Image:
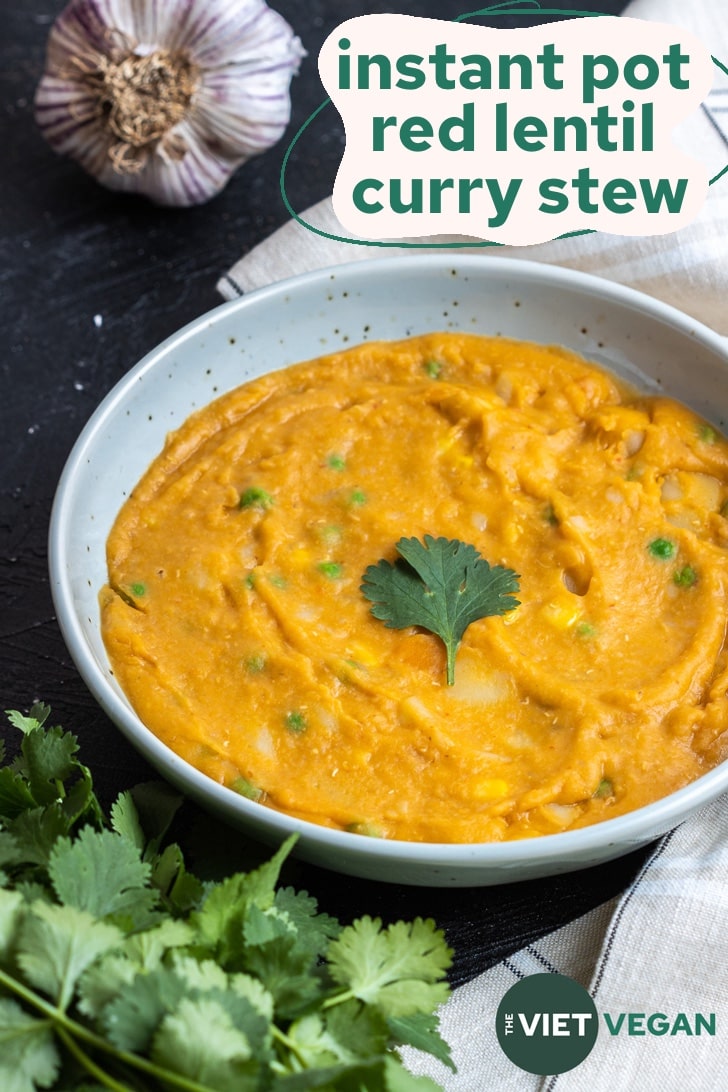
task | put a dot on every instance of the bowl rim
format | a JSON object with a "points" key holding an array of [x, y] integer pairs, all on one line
{"points": [[630, 830]]}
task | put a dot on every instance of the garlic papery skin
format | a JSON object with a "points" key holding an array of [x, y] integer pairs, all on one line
{"points": [[166, 98]]}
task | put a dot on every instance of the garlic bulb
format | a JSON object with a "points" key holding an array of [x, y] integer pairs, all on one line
{"points": [[166, 97]]}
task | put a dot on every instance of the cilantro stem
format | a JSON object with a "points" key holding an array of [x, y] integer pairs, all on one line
{"points": [[289, 1044], [88, 1063], [451, 649], [64, 1026], [338, 999], [32, 998]]}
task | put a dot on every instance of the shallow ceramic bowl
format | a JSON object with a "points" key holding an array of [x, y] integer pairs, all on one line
{"points": [[306, 317]]}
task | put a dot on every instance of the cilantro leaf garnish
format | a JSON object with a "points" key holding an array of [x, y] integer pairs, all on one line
{"points": [[119, 969], [441, 585]]}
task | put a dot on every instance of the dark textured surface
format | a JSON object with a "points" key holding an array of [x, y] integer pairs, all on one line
{"points": [[70, 251]]}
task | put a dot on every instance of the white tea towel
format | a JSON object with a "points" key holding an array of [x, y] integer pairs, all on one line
{"points": [[662, 947]]}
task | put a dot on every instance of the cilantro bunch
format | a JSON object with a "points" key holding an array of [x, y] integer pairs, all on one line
{"points": [[121, 970]]}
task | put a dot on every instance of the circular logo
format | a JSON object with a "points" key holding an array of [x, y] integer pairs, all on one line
{"points": [[547, 1024]]}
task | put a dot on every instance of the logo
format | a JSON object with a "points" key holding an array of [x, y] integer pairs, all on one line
{"points": [[547, 1024]]}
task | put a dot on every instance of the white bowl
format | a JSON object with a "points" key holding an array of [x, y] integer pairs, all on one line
{"points": [[306, 317]]}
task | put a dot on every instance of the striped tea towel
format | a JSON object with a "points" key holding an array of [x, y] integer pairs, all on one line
{"points": [[660, 948]]}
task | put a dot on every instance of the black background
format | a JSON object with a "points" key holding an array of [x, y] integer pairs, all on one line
{"points": [[69, 251]]}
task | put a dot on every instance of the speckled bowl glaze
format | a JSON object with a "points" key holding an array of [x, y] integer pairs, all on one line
{"points": [[307, 316]]}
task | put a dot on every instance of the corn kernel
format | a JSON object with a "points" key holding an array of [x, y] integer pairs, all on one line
{"points": [[300, 558], [490, 788], [560, 614], [364, 655], [446, 442], [452, 454], [512, 532], [461, 461]]}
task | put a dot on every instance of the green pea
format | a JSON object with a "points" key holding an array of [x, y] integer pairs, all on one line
{"points": [[330, 569], [433, 368], [662, 548], [255, 497], [296, 721], [685, 577]]}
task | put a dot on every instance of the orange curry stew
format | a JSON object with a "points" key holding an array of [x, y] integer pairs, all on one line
{"points": [[235, 623]]}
